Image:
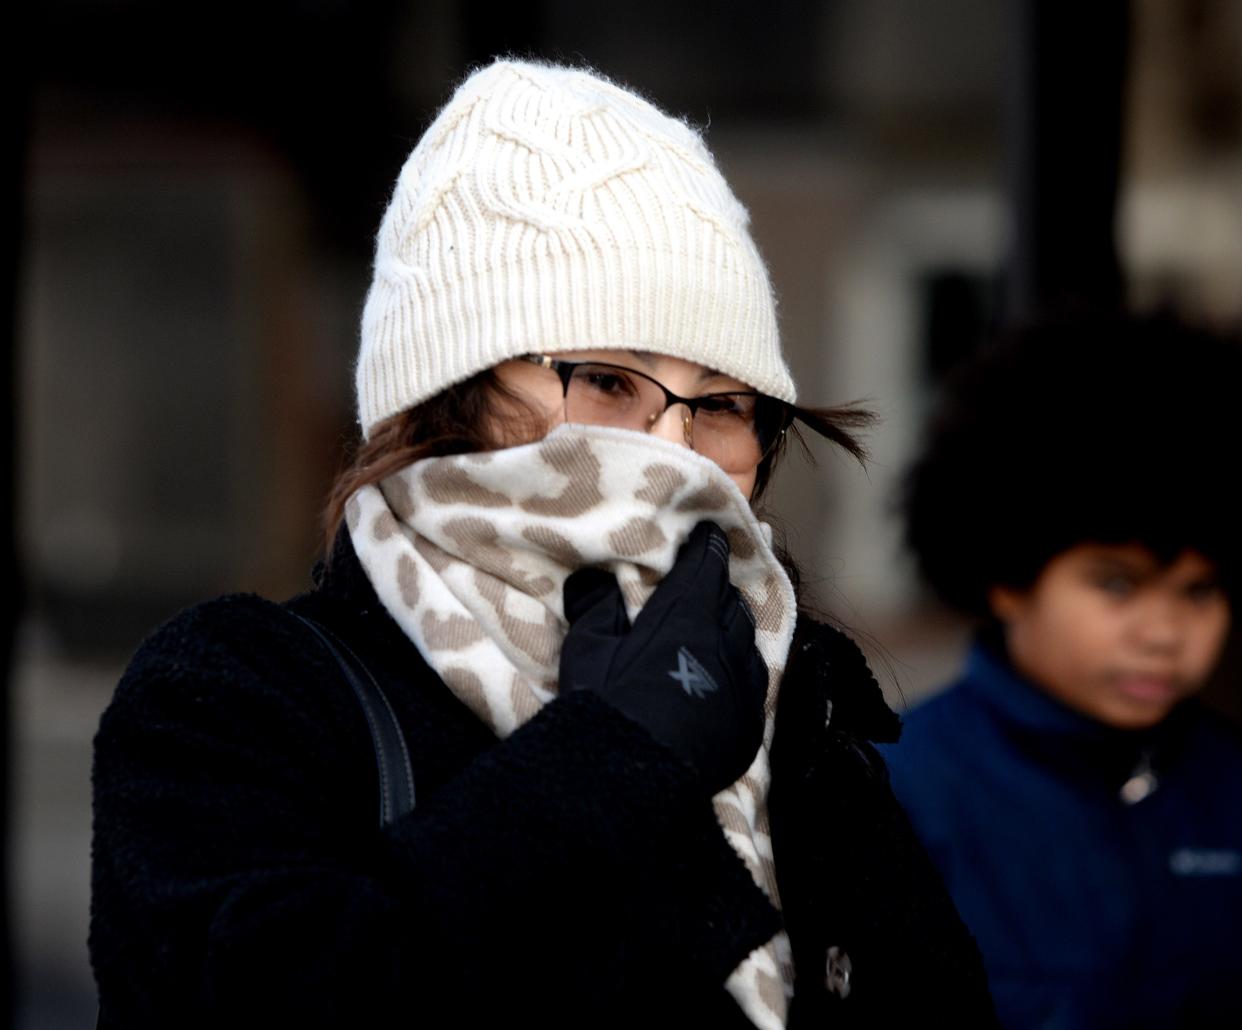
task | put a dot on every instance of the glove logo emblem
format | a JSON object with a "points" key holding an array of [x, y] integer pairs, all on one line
{"points": [[694, 679]]}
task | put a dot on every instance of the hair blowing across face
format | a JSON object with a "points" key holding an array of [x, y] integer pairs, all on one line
{"points": [[1101, 427]]}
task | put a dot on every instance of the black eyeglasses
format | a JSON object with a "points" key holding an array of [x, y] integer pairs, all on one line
{"points": [[736, 429]]}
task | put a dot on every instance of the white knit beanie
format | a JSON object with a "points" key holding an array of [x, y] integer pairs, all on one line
{"points": [[547, 209]]}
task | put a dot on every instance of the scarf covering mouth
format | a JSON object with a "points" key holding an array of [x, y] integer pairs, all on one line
{"points": [[469, 554]]}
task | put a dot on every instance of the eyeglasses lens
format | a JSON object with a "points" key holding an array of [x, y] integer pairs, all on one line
{"points": [[727, 428]]}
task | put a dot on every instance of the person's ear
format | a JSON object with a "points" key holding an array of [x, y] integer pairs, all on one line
{"points": [[1007, 603]]}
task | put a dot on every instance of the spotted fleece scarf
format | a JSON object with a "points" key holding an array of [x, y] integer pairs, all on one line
{"points": [[469, 554]]}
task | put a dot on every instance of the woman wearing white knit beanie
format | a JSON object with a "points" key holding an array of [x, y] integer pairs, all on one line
{"points": [[620, 781]]}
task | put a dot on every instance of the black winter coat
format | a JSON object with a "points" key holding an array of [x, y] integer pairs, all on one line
{"points": [[570, 875]]}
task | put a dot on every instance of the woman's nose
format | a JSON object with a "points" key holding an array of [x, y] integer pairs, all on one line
{"points": [[676, 424]]}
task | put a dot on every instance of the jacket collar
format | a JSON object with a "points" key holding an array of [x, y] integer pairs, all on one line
{"points": [[828, 673], [339, 575], [1058, 735]]}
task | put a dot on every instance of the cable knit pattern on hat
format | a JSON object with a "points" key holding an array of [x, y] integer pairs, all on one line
{"points": [[547, 209]]}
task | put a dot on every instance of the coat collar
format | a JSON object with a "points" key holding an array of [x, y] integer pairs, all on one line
{"points": [[828, 673], [1059, 736], [340, 576]]}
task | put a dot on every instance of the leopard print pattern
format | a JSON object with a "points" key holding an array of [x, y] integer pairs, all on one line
{"points": [[469, 554]]}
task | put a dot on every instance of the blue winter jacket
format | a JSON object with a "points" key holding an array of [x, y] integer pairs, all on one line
{"points": [[1100, 870]]}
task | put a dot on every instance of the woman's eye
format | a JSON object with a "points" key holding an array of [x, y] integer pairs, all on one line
{"points": [[607, 382], [738, 406]]}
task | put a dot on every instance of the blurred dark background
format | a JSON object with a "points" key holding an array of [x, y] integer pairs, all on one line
{"points": [[191, 197]]}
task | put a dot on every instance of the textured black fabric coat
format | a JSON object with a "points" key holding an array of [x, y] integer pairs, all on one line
{"points": [[568, 875]]}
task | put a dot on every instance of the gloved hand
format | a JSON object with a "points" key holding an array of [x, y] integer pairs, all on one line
{"points": [[687, 671]]}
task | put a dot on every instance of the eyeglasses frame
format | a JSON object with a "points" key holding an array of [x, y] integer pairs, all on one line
{"points": [[565, 369]]}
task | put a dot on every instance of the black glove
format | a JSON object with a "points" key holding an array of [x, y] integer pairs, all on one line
{"points": [[688, 671]]}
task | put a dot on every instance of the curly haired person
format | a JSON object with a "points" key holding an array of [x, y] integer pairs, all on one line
{"points": [[1075, 495]]}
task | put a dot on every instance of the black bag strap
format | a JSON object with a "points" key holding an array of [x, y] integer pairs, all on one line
{"points": [[392, 757]]}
